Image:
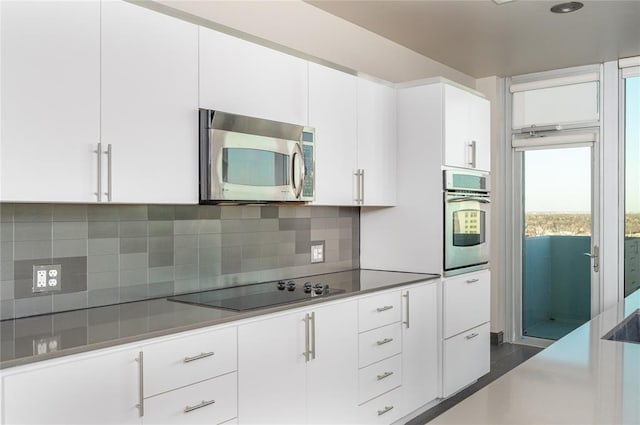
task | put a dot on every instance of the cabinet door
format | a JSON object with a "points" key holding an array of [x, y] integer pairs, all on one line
{"points": [[465, 358], [333, 113], [467, 123], [149, 104], [377, 142], [481, 131], [245, 78], [466, 302], [456, 127], [271, 371], [420, 346], [208, 402], [332, 376], [50, 101], [81, 390]]}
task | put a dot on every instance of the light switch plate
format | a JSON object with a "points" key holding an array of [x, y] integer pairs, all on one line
{"points": [[317, 252], [47, 278]]}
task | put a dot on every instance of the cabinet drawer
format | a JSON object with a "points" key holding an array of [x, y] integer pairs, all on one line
{"points": [[466, 358], [210, 402], [466, 302], [385, 409], [183, 361], [379, 344], [378, 310], [379, 378]]}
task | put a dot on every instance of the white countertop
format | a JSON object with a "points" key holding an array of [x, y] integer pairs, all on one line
{"points": [[580, 379]]}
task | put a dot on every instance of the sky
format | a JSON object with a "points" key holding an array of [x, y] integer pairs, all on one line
{"points": [[558, 180]]}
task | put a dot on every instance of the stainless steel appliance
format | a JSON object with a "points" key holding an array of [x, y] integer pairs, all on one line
{"points": [[250, 297], [466, 221], [245, 159]]}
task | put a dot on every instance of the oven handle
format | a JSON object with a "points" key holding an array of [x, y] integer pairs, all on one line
{"points": [[463, 199]]}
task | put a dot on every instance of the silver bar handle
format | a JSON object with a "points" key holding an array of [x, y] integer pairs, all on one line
{"points": [[200, 405], [140, 404], [313, 335], [384, 341], [307, 353], [109, 191], [473, 280], [472, 145], [384, 375], [406, 295], [385, 410], [361, 186], [99, 152], [385, 308], [473, 335], [464, 198], [199, 356], [357, 174], [297, 185]]}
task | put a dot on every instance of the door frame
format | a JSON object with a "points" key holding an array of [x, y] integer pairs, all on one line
{"points": [[513, 223], [518, 214]]}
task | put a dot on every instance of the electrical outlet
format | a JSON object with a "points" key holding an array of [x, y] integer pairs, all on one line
{"points": [[47, 278], [317, 252], [46, 345]]}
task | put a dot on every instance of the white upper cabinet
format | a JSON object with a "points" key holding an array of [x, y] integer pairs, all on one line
{"points": [[245, 78], [333, 113], [149, 105], [467, 129], [355, 122], [50, 101], [377, 143], [78, 73]]}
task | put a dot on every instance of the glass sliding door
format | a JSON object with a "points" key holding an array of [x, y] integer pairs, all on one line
{"points": [[632, 185], [557, 229]]}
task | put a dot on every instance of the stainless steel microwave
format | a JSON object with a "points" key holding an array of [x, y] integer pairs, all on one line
{"points": [[251, 160]]}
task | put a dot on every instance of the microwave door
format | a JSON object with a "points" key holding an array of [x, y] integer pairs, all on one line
{"points": [[251, 167]]}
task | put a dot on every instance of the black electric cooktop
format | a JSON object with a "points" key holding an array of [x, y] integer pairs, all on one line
{"points": [[259, 295]]}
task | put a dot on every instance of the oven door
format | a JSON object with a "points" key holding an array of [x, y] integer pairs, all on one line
{"points": [[255, 168], [466, 232]]}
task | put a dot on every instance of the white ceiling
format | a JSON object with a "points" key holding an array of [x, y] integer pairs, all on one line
{"points": [[481, 38]]}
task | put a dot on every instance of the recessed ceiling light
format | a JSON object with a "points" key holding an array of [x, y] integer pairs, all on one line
{"points": [[502, 1], [571, 6]]}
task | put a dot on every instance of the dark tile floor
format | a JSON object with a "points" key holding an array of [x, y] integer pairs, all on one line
{"points": [[503, 358]]}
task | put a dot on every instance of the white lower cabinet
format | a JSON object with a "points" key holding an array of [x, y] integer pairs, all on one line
{"points": [[213, 401], [370, 359], [80, 389], [380, 377], [465, 330], [466, 358], [385, 409], [300, 367], [420, 346]]}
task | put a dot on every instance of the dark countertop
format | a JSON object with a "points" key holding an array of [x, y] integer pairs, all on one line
{"points": [[32, 339]]}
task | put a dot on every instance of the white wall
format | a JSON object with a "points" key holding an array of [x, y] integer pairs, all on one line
{"points": [[493, 89], [314, 34]]}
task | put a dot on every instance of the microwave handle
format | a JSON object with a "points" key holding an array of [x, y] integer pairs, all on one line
{"points": [[463, 199], [297, 186]]}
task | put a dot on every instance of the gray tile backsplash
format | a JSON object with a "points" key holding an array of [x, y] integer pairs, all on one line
{"points": [[118, 253]]}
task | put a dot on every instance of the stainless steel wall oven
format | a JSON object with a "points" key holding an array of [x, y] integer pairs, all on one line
{"points": [[466, 221]]}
